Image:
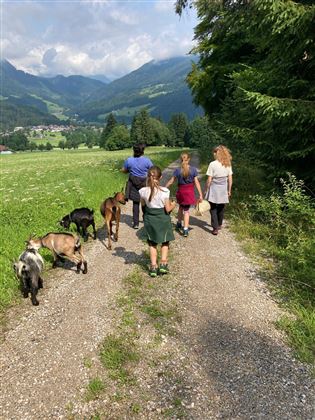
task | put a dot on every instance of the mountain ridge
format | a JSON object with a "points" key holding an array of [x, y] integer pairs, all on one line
{"points": [[157, 85]]}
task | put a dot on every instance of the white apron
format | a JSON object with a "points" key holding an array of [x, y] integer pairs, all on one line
{"points": [[218, 191]]}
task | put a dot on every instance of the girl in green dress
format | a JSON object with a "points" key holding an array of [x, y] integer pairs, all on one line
{"points": [[157, 221]]}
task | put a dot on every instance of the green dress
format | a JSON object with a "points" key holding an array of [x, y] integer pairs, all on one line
{"points": [[158, 225]]}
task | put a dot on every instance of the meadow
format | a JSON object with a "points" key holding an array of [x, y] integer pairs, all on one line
{"points": [[38, 189], [48, 137]]}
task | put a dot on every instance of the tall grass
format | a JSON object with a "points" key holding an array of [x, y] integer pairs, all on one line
{"points": [[36, 190], [277, 224]]}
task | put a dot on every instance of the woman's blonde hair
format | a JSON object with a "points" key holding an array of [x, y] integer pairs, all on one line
{"points": [[153, 180], [185, 158], [223, 155]]}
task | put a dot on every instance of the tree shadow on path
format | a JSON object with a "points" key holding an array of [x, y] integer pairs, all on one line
{"points": [[254, 375]]}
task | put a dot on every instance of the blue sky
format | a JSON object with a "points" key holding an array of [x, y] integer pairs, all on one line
{"points": [[90, 37]]}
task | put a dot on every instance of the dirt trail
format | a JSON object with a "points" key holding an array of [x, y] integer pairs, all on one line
{"points": [[226, 346], [42, 357]]}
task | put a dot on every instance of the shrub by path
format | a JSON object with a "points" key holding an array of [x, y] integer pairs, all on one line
{"points": [[225, 359]]}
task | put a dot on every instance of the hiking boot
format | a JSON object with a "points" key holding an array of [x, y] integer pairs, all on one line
{"points": [[153, 272], [163, 269], [185, 233]]}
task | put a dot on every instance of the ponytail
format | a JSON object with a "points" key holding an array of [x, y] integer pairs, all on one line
{"points": [[153, 180], [185, 158]]}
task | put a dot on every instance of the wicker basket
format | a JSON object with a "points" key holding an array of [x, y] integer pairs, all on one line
{"points": [[202, 208]]}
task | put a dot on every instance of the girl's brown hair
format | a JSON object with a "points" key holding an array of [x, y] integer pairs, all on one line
{"points": [[185, 158], [153, 180], [223, 155]]}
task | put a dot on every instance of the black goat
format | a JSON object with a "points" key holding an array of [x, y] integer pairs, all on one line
{"points": [[28, 269], [82, 218]]}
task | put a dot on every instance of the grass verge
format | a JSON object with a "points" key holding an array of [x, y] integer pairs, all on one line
{"points": [[276, 224], [129, 354]]}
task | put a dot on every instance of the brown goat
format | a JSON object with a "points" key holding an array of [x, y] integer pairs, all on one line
{"points": [[110, 210], [61, 245]]}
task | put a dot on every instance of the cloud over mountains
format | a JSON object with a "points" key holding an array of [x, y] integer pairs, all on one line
{"points": [[92, 37]]}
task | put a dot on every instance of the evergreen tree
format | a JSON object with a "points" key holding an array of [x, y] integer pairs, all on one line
{"points": [[141, 129], [201, 135], [110, 124], [161, 133], [179, 124], [256, 78]]}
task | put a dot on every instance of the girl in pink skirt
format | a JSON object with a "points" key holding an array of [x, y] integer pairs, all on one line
{"points": [[187, 179]]}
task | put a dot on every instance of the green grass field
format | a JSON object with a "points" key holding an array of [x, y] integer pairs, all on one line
{"points": [[53, 138], [38, 189]]}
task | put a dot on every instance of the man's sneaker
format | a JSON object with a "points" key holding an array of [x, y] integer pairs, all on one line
{"points": [[185, 233], [163, 269], [135, 226]]}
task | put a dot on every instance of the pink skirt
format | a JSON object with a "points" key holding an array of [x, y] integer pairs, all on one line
{"points": [[186, 195]]}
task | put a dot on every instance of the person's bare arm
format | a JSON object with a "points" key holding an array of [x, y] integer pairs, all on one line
{"points": [[169, 205], [170, 182], [208, 183], [197, 184], [230, 183]]}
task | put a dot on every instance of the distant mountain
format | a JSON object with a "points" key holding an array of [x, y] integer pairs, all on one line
{"points": [[101, 78], [21, 116], [55, 95], [158, 85]]}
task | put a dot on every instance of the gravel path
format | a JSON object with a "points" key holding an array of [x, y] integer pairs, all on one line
{"points": [[42, 357], [227, 360]]}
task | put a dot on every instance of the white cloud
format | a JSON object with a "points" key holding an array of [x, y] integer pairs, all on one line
{"points": [[92, 37], [164, 6]]}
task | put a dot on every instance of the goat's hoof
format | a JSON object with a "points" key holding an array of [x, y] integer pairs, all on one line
{"points": [[35, 303], [84, 271]]}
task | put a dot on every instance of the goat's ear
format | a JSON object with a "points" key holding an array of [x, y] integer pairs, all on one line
{"points": [[14, 265]]}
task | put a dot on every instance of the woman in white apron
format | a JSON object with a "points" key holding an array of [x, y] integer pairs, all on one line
{"points": [[219, 185]]}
